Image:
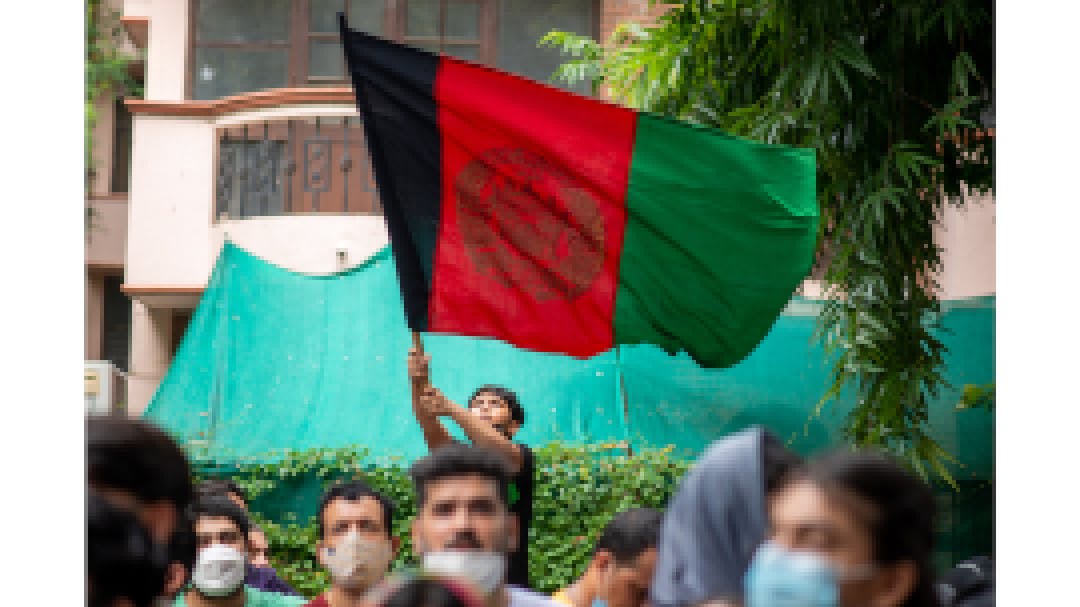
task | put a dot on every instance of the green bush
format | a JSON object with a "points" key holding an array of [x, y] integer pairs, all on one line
{"points": [[577, 490]]}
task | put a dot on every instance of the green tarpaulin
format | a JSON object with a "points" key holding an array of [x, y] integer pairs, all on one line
{"points": [[275, 359], [672, 401]]}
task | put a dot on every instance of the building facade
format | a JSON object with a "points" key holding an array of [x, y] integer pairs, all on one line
{"points": [[247, 131]]}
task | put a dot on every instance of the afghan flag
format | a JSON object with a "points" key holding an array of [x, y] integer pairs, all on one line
{"points": [[560, 223]]}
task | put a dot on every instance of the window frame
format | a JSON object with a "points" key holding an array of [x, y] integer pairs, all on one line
{"points": [[394, 23], [487, 28], [193, 44]]}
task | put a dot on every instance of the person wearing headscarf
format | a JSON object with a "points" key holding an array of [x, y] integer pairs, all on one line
{"points": [[717, 519]]}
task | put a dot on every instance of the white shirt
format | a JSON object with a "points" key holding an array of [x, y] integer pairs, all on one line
{"points": [[521, 597]]}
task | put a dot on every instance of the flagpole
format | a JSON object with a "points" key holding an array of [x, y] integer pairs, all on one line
{"points": [[417, 384]]}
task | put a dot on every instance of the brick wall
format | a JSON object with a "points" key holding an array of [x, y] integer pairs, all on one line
{"points": [[618, 11], [614, 12]]}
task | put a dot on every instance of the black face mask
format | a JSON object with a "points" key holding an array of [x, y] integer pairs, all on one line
{"points": [[122, 560]]}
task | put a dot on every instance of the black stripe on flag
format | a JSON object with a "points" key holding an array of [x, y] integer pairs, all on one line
{"points": [[395, 93]]}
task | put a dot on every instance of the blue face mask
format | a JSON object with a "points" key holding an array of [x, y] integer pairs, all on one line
{"points": [[784, 578]]}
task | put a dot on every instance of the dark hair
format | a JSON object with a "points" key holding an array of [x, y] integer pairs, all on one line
{"points": [[220, 486], [517, 413], [122, 560], [778, 462], [182, 546], [902, 524], [219, 506], [630, 533], [430, 592], [352, 491], [458, 459], [136, 456]]}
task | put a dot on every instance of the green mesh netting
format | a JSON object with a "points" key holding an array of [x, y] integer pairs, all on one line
{"points": [[275, 359], [672, 401]]}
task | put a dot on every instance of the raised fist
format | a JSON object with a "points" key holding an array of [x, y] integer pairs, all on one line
{"points": [[418, 365]]}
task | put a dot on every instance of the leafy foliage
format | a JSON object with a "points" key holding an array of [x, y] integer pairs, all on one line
{"points": [[577, 490], [107, 66], [978, 397], [895, 98]]}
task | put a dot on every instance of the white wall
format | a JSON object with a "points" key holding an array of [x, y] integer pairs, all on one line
{"points": [[968, 237], [306, 243], [167, 42], [169, 215]]}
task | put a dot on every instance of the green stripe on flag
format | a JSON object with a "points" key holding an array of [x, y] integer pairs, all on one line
{"points": [[719, 233]]}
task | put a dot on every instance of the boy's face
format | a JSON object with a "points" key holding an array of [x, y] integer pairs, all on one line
{"points": [[495, 411]]}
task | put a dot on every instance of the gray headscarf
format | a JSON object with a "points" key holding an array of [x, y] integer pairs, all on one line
{"points": [[713, 524]]}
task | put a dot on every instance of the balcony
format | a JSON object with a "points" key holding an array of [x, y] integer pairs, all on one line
{"points": [[283, 173], [293, 166]]}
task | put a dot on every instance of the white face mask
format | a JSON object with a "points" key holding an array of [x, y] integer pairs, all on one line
{"points": [[485, 570], [357, 562], [219, 570]]}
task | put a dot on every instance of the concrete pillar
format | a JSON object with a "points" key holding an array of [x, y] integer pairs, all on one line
{"points": [[150, 355]]}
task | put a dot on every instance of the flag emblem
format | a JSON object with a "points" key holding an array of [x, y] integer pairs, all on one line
{"points": [[529, 224]]}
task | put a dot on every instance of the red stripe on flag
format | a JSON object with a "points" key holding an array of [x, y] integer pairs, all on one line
{"points": [[533, 211]]}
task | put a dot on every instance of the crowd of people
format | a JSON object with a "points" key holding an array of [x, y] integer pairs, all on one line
{"points": [[751, 524]]}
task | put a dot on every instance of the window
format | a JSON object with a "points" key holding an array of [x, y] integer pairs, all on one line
{"points": [[522, 23], [115, 323], [181, 318], [453, 27], [324, 61], [121, 160], [240, 46]]}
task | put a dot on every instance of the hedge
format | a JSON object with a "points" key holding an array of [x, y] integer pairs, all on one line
{"points": [[577, 490]]}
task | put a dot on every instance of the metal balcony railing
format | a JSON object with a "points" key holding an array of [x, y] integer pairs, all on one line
{"points": [[294, 166]]}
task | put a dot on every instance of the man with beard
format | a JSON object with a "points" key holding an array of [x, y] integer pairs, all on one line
{"points": [[463, 527], [356, 544]]}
